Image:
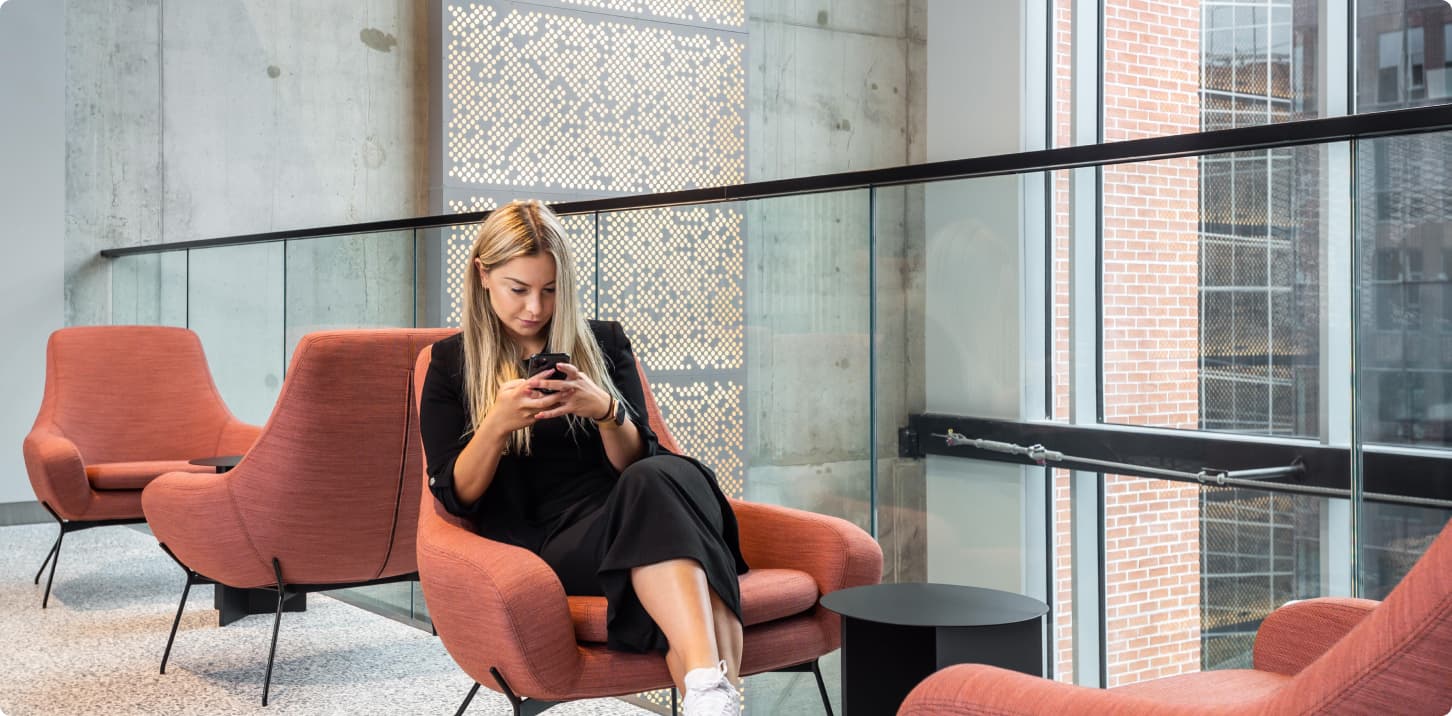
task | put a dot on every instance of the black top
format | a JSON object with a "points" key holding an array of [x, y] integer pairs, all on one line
{"points": [[567, 473], [934, 605]]}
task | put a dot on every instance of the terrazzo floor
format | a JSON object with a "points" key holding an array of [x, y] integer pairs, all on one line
{"points": [[97, 648]]}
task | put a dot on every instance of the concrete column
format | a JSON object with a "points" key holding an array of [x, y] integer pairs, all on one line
{"points": [[977, 101]]}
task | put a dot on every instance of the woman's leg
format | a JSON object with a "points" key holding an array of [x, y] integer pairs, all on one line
{"points": [[728, 638], [675, 595]]}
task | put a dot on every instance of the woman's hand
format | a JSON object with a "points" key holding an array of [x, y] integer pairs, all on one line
{"points": [[577, 394], [517, 405]]}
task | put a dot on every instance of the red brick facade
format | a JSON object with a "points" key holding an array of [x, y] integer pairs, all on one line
{"points": [[1150, 332]]}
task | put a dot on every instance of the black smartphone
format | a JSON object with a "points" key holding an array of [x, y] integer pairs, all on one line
{"points": [[540, 362]]}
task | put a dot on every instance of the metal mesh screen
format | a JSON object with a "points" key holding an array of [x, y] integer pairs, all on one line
{"points": [[1258, 550]]}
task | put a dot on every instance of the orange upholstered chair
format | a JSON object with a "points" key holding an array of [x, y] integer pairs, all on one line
{"points": [[122, 405], [505, 619], [325, 499], [1318, 656]]}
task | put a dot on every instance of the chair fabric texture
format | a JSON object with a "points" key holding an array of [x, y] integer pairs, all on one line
{"points": [[326, 488], [499, 606], [122, 405], [1317, 656]]}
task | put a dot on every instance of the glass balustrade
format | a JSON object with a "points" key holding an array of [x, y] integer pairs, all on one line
{"points": [[1296, 298]]}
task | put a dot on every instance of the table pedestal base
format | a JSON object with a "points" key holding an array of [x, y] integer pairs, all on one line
{"points": [[881, 663], [232, 603]]}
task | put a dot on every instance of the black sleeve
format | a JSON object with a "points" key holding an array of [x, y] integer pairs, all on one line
{"points": [[443, 418], [627, 380]]}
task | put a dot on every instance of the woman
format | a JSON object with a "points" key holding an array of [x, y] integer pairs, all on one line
{"points": [[576, 475]]}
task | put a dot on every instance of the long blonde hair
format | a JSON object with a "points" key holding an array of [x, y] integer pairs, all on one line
{"points": [[522, 228]]}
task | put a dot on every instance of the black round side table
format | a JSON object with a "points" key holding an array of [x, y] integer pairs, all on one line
{"points": [[896, 635], [222, 463]]}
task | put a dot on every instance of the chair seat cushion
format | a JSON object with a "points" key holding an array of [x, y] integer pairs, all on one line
{"points": [[135, 475], [766, 595], [1205, 688]]}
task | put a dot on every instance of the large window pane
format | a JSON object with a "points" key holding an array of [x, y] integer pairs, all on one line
{"points": [[1404, 348], [1404, 248], [1403, 53], [1181, 67]]}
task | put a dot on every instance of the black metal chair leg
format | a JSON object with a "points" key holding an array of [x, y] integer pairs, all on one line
{"points": [[821, 686], [53, 547], [55, 560], [675, 710], [464, 706], [177, 621], [276, 621]]}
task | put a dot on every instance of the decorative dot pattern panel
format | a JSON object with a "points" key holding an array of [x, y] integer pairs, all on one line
{"points": [[580, 230], [563, 102], [674, 276], [707, 419], [716, 12]]}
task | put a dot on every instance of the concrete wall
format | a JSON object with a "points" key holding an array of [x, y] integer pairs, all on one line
{"points": [[194, 120], [832, 86], [32, 200]]}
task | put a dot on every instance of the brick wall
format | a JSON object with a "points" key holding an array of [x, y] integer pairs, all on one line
{"points": [[1150, 332]]}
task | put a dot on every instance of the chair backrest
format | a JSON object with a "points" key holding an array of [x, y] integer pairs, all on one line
{"points": [[325, 488], [1399, 655], [130, 393]]}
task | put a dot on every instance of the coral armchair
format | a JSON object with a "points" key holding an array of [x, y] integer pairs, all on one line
{"points": [[1318, 656], [324, 499], [505, 619], [122, 404]]}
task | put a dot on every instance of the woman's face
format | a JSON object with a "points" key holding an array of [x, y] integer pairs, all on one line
{"points": [[522, 291]]}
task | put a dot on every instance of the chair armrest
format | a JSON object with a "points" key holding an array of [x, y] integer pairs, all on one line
{"points": [[237, 438], [57, 472], [496, 605], [1298, 633], [991, 691], [835, 552], [194, 515]]}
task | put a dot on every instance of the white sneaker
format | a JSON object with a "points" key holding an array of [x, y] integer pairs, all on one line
{"points": [[709, 693]]}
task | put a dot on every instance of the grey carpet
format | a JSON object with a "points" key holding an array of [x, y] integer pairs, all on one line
{"points": [[97, 648]]}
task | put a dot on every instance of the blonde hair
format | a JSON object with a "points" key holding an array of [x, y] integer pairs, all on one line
{"points": [[522, 228]]}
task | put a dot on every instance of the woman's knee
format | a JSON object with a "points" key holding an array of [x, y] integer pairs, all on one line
{"points": [[650, 468]]}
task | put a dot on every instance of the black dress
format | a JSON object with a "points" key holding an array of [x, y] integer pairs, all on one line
{"points": [[568, 504]]}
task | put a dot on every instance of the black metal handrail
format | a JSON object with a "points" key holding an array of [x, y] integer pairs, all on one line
{"points": [[1417, 120], [1389, 475]]}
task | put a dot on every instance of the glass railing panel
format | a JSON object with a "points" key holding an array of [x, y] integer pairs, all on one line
{"points": [[1152, 599], [1403, 275], [898, 385], [354, 281], [1393, 539], [1213, 313], [1191, 572], [236, 304], [753, 323], [149, 289], [965, 340], [349, 281], [1258, 550]]}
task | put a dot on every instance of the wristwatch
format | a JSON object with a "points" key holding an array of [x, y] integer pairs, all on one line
{"points": [[616, 416]]}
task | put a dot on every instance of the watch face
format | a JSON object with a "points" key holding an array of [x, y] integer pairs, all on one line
{"points": [[619, 412]]}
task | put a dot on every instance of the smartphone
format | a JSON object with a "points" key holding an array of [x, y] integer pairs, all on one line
{"points": [[540, 362]]}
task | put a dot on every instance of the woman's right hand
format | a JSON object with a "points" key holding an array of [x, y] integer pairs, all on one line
{"points": [[515, 407]]}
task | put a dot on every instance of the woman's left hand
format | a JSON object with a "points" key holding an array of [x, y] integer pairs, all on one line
{"points": [[577, 393]]}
